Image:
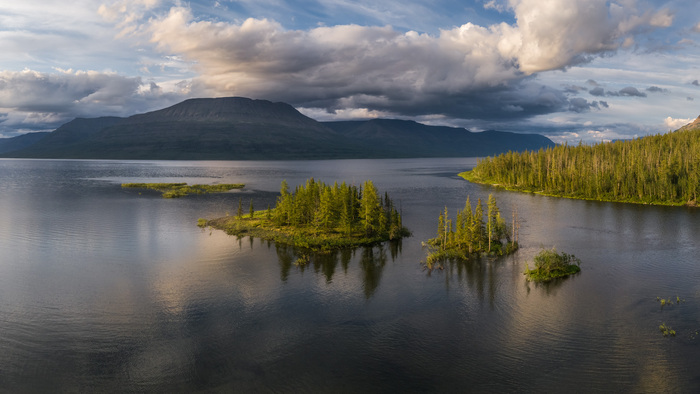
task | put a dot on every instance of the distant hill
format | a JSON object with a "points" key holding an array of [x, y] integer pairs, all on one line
{"points": [[20, 142], [237, 128], [405, 138]]}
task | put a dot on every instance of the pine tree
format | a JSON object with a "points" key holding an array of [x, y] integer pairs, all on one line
{"points": [[477, 226], [492, 222], [371, 208]]}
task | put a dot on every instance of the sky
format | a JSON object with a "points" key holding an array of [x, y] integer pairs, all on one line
{"points": [[573, 70]]}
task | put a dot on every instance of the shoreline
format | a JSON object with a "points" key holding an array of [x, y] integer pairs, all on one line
{"points": [[469, 177]]}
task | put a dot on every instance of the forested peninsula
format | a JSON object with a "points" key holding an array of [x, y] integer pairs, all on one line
{"points": [[320, 217], [660, 169]]}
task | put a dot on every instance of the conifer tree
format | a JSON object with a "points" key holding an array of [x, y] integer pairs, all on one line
{"points": [[477, 226], [371, 208]]}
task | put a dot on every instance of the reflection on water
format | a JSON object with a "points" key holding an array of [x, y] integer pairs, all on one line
{"points": [[103, 290], [372, 260], [550, 287]]}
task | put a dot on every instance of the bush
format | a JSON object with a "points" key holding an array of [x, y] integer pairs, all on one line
{"points": [[550, 265]]}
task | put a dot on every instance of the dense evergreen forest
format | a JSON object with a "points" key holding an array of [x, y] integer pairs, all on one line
{"points": [[345, 208], [469, 235], [659, 169], [320, 216]]}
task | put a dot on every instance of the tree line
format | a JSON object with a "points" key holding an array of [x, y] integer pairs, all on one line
{"points": [[346, 208], [661, 169], [472, 233]]}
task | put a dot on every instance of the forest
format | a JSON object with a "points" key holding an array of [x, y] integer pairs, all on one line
{"points": [[660, 169], [469, 235], [319, 216]]}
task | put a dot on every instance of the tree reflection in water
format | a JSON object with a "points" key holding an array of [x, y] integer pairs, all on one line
{"points": [[371, 262], [481, 276]]}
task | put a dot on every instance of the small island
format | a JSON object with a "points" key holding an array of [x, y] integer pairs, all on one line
{"points": [[470, 236], [174, 190], [319, 217], [550, 265]]}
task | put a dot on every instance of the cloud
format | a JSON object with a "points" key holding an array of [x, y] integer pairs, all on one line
{"points": [[579, 104], [597, 91], [656, 89], [631, 92], [45, 100], [466, 71], [573, 89], [690, 99], [494, 5], [674, 124], [628, 91], [696, 28], [696, 83]]}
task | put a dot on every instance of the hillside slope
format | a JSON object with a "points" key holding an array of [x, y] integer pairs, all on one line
{"points": [[237, 128]]}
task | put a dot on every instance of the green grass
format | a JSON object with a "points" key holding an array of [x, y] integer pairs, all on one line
{"points": [[550, 265], [306, 237], [174, 190]]}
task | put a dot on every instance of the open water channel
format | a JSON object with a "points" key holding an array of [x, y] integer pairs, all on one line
{"points": [[104, 289]]}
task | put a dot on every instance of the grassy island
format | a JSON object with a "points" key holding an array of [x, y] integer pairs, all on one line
{"points": [[320, 217], [660, 169], [470, 236], [551, 265], [174, 190]]}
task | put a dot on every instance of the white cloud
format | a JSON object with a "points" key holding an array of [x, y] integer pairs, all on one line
{"points": [[44, 100], [321, 114], [469, 72], [662, 18], [379, 67], [674, 124], [494, 5]]}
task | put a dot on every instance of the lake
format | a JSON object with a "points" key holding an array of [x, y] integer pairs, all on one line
{"points": [[105, 289]]}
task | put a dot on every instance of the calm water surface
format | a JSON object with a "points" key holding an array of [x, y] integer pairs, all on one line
{"points": [[104, 289]]}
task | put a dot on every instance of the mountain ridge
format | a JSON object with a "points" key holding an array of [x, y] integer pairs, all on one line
{"points": [[238, 128]]}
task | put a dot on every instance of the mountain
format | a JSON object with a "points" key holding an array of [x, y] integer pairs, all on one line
{"points": [[692, 125], [405, 138], [20, 142], [71, 134], [237, 128]]}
